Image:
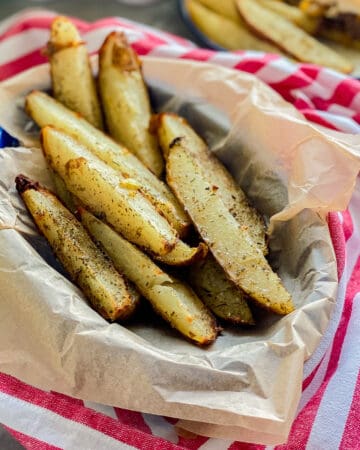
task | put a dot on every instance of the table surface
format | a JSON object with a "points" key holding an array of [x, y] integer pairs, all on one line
{"points": [[163, 14]]}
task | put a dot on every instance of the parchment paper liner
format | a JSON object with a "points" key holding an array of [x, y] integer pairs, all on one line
{"points": [[247, 385]]}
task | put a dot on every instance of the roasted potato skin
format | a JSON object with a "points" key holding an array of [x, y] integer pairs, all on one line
{"points": [[288, 37], [218, 293], [107, 193], [224, 31], [73, 83], [106, 289], [173, 300], [170, 128], [126, 101], [46, 111], [230, 243]]}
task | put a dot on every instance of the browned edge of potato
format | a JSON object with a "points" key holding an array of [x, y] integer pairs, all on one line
{"points": [[229, 242], [106, 193], [230, 34], [125, 100], [288, 37], [219, 294], [174, 300], [73, 83], [106, 289], [45, 110], [170, 128]]}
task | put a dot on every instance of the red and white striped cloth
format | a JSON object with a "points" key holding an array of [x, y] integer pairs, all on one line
{"points": [[329, 411]]}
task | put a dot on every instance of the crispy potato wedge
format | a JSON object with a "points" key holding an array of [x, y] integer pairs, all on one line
{"points": [[291, 39], [339, 37], [106, 289], [173, 300], [224, 31], [105, 192], [225, 8], [72, 79], [67, 198], [229, 242], [292, 14], [181, 255], [126, 101], [44, 110], [171, 127], [184, 255], [218, 293]]}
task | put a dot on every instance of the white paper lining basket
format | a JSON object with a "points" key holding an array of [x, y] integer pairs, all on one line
{"points": [[247, 385]]}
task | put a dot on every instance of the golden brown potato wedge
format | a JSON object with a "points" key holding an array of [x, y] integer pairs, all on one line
{"points": [[184, 255], [288, 37], [340, 37], [292, 14], [126, 101], [230, 243], [106, 289], [224, 31], [72, 79], [66, 197], [218, 293], [44, 110], [173, 300], [225, 8], [171, 127], [105, 192]]}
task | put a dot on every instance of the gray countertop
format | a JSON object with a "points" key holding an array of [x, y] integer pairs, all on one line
{"points": [[162, 14]]}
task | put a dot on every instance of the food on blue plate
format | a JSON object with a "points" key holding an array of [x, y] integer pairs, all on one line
{"points": [[44, 110], [73, 83], [225, 32], [228, 241], [125, 100], [293, 14], [291, 39], [174, 300], [272, 26], [107, 290], [339, 20]]}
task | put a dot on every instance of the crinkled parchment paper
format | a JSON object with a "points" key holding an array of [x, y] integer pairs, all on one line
{"points": [[247, 385]]}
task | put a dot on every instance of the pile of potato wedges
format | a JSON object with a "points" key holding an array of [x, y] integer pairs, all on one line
{"points": [[133, 190]]}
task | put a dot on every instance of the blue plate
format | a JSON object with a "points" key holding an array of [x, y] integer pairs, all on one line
{"points": [[6, 140], [201, 37]]}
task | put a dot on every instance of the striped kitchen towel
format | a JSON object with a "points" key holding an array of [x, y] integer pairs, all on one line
{"points": [[328, 415]]}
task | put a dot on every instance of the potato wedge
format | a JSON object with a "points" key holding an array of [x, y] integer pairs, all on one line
{"points": [[126, 101], [230, 243], [106, 289], [339, 37], [225, 32], [173, 300], [294, 41], [105, 192], [72, 79], [184, 255], [44, 110], [218, 293], [225, 8], [66, 197], [292, 14], [171, 127]]}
